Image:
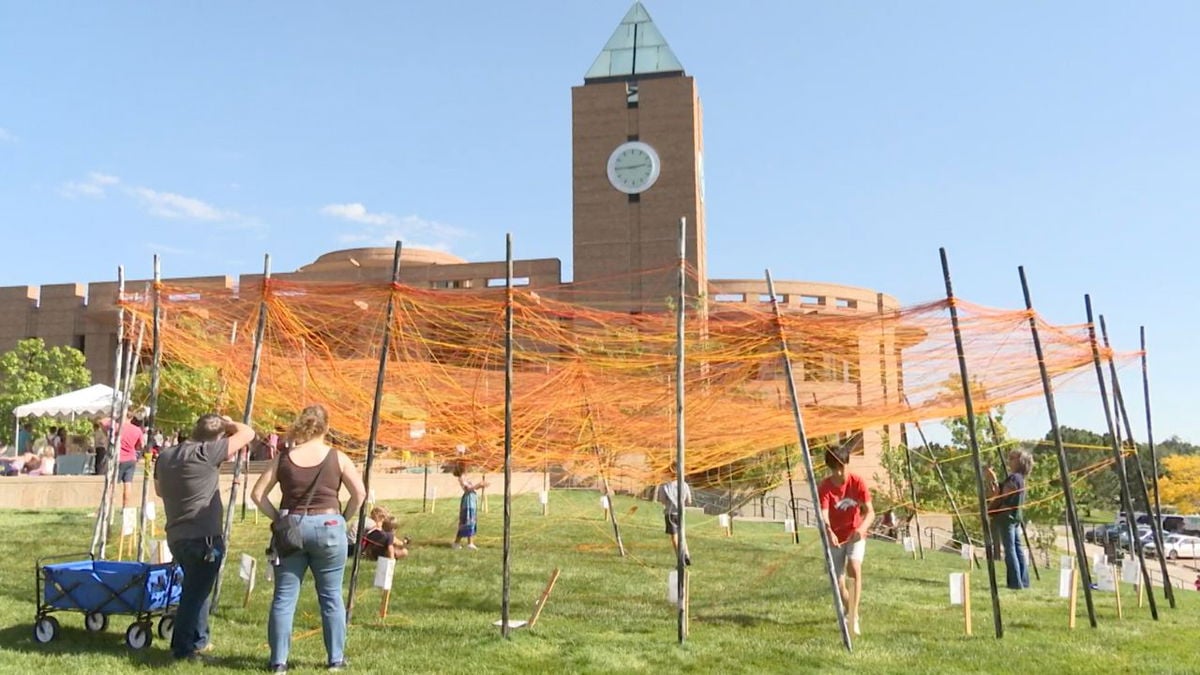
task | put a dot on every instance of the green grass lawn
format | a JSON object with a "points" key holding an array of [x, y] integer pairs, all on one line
{"points": [[759, 603]]}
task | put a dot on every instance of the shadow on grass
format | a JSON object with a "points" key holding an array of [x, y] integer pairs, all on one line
{"points": [[72, 640]]}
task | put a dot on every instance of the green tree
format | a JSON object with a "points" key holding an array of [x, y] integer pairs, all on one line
{"points": [[32, 372], [184, 394]]}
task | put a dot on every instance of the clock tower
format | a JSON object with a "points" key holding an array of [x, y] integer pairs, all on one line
{"points": [[637, 168]]}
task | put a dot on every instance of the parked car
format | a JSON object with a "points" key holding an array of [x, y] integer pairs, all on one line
{"points": [[1177, 546], [1144, 534]]}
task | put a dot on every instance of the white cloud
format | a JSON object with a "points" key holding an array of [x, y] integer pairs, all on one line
{"points": [[383, 229], [95, 186], [157, 203], [178, 207], [358, 213], [7, 136]]}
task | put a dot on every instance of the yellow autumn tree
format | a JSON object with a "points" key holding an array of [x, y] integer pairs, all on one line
{"points": [[1181, 487]]}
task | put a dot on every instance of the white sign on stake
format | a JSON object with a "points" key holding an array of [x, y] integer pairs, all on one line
{"points": [[151, 511], [433, 492], [673, 588], [246, 570], [1099, 560], [1130, 573], [1066, 562], [371, 496], [543, 497], [385, 568], [968, 552], [789, 525], [159, 552], [1064, 581], [128, 520], [604, 501], [956, 588], [250, 504], [908, 545], [723, 520]]}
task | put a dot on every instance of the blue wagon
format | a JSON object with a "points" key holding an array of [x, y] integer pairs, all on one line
{"points": [[101, 588]]}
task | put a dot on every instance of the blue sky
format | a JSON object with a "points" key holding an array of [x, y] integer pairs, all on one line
{"points": [[845, 142]]}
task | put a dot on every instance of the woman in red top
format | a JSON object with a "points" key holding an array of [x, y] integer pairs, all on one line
{"points": [[847, 512]]}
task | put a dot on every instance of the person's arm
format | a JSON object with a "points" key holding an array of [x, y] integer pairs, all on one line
{"points": [[353, 482], [239, 436], [833, 540], [266, 481], [868, 514]]}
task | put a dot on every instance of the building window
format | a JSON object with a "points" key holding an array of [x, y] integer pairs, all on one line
{"points": [[80, 343], [501, 282]]}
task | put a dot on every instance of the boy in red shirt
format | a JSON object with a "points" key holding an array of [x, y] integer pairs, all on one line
{"points": [[848, 514]]}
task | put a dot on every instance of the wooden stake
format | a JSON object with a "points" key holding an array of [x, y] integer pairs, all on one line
{"points": [[1137, 587], [541, 601], [383, 603], [1074, 597], [966, 593]]}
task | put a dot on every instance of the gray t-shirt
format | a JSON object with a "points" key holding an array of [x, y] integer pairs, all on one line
{"points": [[668, 496], [188, 478]]}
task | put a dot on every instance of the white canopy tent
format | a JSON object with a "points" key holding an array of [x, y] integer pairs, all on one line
{"points": [[87, 402]]}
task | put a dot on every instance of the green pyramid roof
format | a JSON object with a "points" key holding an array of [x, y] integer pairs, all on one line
{"points": [[635, 48]]}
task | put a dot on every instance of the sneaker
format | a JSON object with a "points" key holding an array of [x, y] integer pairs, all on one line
{"points": [[339, 666], [687, 559], [277, 668], [472, 547], [456, 546]]}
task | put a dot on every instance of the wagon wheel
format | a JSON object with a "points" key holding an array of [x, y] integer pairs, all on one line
{"points": [[95, 622], [45, 629], [166, 627], [139, 635]]}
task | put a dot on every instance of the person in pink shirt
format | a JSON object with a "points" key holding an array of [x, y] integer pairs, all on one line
{"points": [[131, 443]]}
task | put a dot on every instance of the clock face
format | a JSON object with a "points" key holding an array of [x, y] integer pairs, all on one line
{"points": [[633, 167]]}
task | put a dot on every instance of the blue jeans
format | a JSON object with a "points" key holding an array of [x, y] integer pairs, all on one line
{"points": [[324, 553], [1014, 556], [199, 575]]}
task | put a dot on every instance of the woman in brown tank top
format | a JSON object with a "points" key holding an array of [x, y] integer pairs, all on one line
{"points": [[310, 477]]}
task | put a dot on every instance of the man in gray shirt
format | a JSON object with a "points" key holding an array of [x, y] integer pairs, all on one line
{"points": [[187, 478], [667, 494]]}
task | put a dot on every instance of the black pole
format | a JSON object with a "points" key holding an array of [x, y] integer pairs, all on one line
{"points": [[373, 435], [937, 469], [1150, 442], [680, 435], [810, 473], [508, 428], [973, 439], [151, 424], [1118, 456], [1156, 523], [1004, 468], [912, 489], [1064, 473], [425, 483], [247, 413], [792, 508]]}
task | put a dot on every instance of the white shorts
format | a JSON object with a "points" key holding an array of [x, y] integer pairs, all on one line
{"points": [[855, 551]]}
